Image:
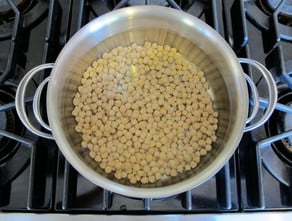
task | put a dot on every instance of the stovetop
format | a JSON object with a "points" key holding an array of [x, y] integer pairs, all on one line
{"points": [[34, 175]]}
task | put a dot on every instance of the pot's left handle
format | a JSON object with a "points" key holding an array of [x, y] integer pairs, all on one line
{"points": [[20, 104]]}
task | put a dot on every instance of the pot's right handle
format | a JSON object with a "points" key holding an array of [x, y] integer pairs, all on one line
{"points": [[20, 104], [272, 89]]}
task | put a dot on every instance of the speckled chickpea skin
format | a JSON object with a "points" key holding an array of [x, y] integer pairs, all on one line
{"points": [[144, 113]]}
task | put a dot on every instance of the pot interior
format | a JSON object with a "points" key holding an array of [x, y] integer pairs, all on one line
{"points": [[222, 71]]}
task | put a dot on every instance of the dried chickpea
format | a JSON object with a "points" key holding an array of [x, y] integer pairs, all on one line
{"points": [[144, 113]]}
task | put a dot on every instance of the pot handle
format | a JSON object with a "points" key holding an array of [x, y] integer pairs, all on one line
{"points": [[20, 104], [272, 89]]}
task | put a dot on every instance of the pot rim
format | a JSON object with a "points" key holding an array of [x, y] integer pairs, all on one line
{"points": [[156, 192]]}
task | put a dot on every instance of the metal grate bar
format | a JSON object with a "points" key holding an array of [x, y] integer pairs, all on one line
{"points": [[106, 199], [215, 14], [239, 25], [147, 204], [223, 187], [80, 13], [260, 188], [277, 59], [69, 188], [22, 140], [30, 144], [121, 4], [260, 145], [188, 200], [77, 13], [31, 185], [53, 21], [11, 105], [12, 50], [173, 4], [41, 178]]}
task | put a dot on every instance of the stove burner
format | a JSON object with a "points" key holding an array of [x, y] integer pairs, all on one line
{"points": [[6, 11], [285, 10], [31, 11], [260, 13], [282, 122], [277, 156], [8, 122]]}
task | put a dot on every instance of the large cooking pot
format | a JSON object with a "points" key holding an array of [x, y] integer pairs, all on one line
{"points": [[198, 42]]}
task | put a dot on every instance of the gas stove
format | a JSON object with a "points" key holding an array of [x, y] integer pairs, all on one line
{"points": [[36, 178]]}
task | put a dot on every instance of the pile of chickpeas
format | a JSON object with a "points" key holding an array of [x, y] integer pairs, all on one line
{"points": [[144, 113]]}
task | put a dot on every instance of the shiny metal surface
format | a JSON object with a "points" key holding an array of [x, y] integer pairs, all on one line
{"points": [[268, 141], [198, 43], [272, 90], [279, 106], [255, 99], [36, 104], [20, 100], [259, 216]]}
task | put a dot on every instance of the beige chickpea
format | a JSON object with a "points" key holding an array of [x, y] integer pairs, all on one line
{"points": [[144, 111]]}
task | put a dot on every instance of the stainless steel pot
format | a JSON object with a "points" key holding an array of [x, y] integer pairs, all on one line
{"points": [[198, 42]]}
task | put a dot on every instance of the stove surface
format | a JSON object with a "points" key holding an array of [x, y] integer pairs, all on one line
{"points": [[34, 175]]}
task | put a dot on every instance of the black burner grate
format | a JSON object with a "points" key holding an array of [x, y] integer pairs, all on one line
{"points": [[45, 181], [266, 39]]}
